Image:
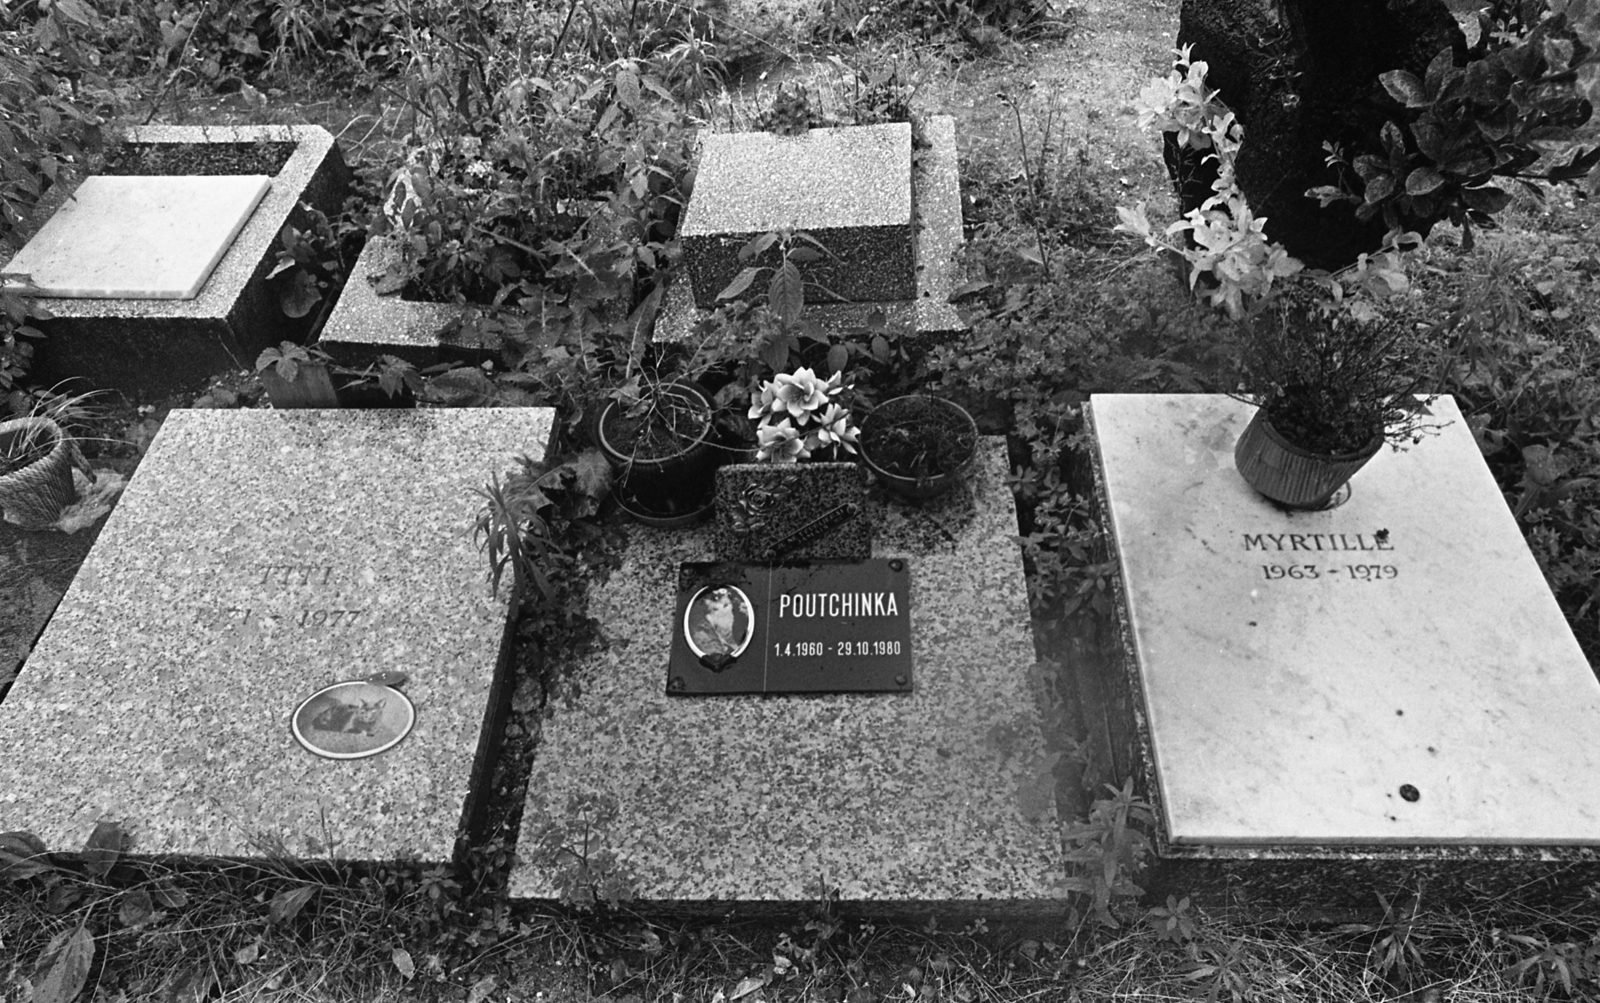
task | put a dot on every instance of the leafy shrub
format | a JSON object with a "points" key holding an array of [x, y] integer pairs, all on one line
{"points": [[1515, 347], [1327, 381], [981, 24], [559, 191], [1459, 127], [220, 45], [46, 59], [44, 120]]}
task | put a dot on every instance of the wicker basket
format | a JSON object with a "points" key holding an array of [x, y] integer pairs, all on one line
{"points": [[34, 496]]}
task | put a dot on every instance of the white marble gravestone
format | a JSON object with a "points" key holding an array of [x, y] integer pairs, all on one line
{"points": [[257, 557], [1391, 671], [129, 237]]}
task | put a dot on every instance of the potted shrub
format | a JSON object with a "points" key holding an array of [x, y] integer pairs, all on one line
{"points": [[1330, 389], [918, 446], [658, 436]]}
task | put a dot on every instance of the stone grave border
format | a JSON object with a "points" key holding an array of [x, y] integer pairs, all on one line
{"points": [[1306, 880], [235, 314], [936, 224], [364, 324]]}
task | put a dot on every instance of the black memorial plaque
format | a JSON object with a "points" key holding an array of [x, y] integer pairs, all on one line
{"points": [[790, 628]]}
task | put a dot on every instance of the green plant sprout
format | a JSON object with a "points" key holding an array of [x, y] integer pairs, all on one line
{"points": [[786, 291]]}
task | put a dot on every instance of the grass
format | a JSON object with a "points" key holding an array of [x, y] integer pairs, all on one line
{"points": [[234, 931]]}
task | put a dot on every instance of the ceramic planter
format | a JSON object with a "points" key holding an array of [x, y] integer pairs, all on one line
{"points": [[1291, 476], [34, 494], [673, 489], [918, 446]]}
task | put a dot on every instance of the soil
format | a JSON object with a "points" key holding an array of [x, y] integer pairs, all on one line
{"points": [[671, 425], [1320, 426], [165, 159], [917, 440]]}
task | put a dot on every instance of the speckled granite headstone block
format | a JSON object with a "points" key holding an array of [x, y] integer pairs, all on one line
{"points": [[850, 188], [792, 512], [256, 557], [1390, 672], [936, 239], [944, 795], [366, 324], [151, 347]]}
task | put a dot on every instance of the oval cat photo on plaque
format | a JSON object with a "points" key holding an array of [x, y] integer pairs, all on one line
{"points": [[353, 720], [718, 624]]}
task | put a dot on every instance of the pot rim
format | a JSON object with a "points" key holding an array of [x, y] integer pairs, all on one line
{"points": [[943, 402], [682, 388], [1373, 445], [57, 435]]}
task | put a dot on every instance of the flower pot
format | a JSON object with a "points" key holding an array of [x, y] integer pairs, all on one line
{"points": [[918, 446], [36, 461], [665, 478], [1291, 476]]}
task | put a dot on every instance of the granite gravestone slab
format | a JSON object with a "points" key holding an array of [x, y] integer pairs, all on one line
{"points": [[848, 187], [827, 628], [256, 558], [1390, 672], [136, 237], [944, 795]]}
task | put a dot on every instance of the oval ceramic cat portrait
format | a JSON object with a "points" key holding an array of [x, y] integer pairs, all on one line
{"points": [[719, 620], [353, 720]]}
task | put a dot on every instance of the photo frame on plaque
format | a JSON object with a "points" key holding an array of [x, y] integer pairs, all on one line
{"points": [[769, 512]]}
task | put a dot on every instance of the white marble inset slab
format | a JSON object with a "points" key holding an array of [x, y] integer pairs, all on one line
{"points": [[1424, 654], [137, 237]]}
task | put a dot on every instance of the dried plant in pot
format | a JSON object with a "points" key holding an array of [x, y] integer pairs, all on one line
{"points": [[918, 446], [658, 437], [37, 456], [1330, 390]]}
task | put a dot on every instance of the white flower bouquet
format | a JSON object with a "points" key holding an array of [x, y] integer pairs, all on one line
{"points": [[799, 414]]}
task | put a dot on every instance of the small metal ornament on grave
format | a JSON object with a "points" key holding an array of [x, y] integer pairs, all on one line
{"points": [[660, 445], [353, 719]]}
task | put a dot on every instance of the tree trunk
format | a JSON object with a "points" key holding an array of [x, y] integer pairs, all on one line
{"points": [[1298, 73]]}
